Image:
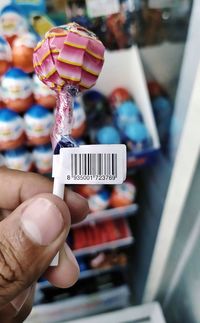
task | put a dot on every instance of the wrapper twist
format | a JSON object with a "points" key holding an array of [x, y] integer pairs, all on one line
{"points": [[68, 60]]}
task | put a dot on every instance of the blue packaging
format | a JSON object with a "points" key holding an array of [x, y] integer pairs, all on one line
{"points": [[127, 113], [137, 136], [108, 135]]}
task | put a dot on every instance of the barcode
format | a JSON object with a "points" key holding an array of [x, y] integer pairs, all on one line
{"points": [[94, 164]]}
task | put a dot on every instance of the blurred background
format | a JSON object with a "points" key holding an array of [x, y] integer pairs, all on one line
{"points": [[138, 249]]}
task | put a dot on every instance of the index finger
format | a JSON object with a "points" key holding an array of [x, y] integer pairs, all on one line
{"points": [[16, 187]]}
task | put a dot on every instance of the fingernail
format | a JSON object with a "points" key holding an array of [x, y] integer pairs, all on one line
{"points": [[20, 300], [70, 255], [42, 221]]}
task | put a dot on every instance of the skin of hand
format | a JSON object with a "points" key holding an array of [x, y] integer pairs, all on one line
{"points": [[33, 228]]}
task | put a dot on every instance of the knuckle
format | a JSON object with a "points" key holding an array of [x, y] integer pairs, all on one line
{"points": [[11, 269]]}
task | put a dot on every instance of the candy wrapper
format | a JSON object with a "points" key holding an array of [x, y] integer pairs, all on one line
{"points": [[68, 60]]}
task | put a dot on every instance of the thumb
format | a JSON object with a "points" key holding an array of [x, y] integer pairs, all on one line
{"points": [[29, 239]]}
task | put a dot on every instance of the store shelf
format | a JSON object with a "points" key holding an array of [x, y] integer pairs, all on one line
{"points": [[110, 213], [95, 272], [80, 306], [104, 246], [87, 274], [137, 160], [146, 313], [116, 72]]}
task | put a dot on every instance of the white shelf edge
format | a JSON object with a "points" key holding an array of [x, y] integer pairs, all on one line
{"points": [[80, 306], [110, 213], [104, 246]]}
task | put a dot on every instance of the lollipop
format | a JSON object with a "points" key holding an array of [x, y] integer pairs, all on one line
{"points": [[68, 60]]}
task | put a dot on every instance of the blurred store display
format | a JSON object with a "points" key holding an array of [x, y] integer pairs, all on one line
{"points": [[123, 108]]}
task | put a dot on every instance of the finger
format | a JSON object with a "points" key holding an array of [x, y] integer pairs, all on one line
{"points": [[78, 206], [67, 272], [16, 187], [29, 239]]}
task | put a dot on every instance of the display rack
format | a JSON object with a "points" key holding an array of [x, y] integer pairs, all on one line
{"points": [[114, 213], [116, 73], [86, 274], [146, 313], [105, 246], [80, 306]]}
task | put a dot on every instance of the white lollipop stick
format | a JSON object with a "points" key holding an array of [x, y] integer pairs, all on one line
{"points": [[58, 190]]}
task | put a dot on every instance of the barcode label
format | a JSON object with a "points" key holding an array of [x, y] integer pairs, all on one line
{"points": [[91, 164]]}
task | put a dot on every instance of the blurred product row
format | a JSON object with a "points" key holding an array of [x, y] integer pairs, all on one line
{"points": [[128, 22], [25, 138]]}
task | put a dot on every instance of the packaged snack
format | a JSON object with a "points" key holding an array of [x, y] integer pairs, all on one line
{"points": [[126, 114], [79, 123], [38, 124], [162, 109], [154, 89], [108, 135], [99, 201], [118, 96], [17, 90], [42, 94], [42, 157], [88, 190], [19, 159], [12, 23], [5, 56], [96, 107], [22, 51], [11, 130], [138, 137], [123, 195]]}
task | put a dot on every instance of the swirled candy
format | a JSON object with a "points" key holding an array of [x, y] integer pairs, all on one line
{"points": [[69, 59], [69, 54]]}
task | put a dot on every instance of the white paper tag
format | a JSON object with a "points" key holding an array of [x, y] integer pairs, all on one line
{"points": [[91, 164], [98, 8]]}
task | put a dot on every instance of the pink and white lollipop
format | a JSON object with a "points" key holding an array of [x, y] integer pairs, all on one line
{"points": [[68, 60]]}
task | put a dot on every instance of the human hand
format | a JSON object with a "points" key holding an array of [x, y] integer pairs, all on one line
{"points": [[33, 228]]}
